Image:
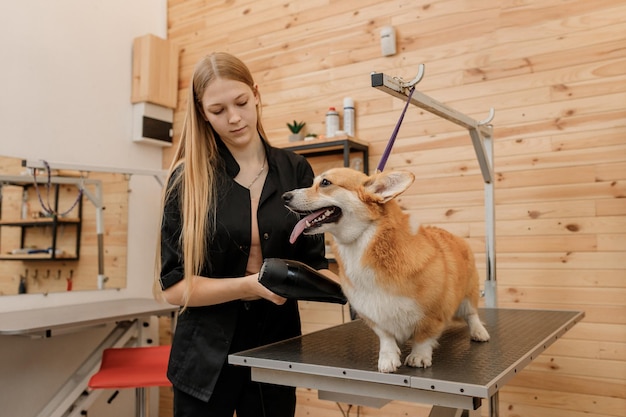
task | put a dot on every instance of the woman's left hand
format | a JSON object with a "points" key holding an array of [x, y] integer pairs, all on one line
{"points": [[257, 291]]}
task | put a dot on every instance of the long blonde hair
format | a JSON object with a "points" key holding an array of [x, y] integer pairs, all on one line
{"points": [[198, 153]]}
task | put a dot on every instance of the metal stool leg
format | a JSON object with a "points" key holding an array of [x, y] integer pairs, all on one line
{"points": [[140, 402]]}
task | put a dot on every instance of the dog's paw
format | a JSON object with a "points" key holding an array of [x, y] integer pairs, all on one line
{"points": [[477, 329], [479, 333], [388, 362], [421, 355], [417, 360]]}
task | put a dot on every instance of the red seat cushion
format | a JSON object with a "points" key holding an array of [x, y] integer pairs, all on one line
{"points": [[133, 367]]}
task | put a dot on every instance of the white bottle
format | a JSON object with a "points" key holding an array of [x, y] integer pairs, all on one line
{"points": [[332, 122], [348, 116]]}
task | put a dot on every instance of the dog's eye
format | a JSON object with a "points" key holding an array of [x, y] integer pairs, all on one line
{"points": [[325, 183]]}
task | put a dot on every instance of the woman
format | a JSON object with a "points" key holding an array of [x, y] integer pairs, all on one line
{"points": [[223, 214]]}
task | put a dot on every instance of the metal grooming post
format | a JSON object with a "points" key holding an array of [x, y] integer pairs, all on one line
{"points": [[96, 199], [481, 133], [482, 139]]}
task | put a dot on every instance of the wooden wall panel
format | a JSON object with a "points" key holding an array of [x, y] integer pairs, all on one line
{"points": [[555, 72]]}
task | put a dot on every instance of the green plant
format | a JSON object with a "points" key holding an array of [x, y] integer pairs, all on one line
{"points": [[295, 127]]}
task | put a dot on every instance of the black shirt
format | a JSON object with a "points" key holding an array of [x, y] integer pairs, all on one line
{"points": [[206, 335]]}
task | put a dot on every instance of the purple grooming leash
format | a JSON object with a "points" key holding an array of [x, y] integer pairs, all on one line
{"points": [[392, 139]]}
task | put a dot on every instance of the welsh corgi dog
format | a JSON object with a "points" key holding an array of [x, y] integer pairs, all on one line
{"points": [[405, 284]]}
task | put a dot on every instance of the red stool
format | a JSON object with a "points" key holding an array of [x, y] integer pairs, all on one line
{"points": [[134, 367]]}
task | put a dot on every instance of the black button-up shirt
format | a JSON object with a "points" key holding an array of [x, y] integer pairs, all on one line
{"points": [[206, 335]]}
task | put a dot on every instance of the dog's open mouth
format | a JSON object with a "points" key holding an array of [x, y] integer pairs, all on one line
{"points": [[314, 220]]}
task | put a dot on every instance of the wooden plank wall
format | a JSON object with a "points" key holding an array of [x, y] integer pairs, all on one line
{"points": [[555, 72]]}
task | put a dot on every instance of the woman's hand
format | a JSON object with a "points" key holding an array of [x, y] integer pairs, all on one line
{"points": [[210, 291], [258, 291]]}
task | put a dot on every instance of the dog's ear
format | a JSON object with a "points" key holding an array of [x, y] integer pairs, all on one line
{"points": [[387, 185]]}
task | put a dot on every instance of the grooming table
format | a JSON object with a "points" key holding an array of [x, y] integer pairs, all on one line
{"points": [[50, 321], [341, 362]]}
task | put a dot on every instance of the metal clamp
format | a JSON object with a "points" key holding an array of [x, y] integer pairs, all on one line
{"points": [[414, 81]]}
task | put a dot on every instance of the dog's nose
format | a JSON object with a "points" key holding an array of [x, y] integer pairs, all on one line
{"points": [[287, 197]]}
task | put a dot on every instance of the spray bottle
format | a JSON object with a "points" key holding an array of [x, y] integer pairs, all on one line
{"points": [[348, 116], [332, 122]]}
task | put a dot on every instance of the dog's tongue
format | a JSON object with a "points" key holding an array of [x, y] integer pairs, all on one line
{"points": [[301, 225]]}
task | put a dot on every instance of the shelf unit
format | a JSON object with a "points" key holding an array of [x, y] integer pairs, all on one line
{"points": [[332, 146], [54, 223]]}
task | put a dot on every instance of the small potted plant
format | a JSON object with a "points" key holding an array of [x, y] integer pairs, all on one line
{"points": [[296, 131]]}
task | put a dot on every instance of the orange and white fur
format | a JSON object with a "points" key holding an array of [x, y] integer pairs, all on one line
{"points": [[405, 284]]}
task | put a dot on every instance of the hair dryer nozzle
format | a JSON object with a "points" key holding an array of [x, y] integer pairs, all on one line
{"points": [[296, 280]]}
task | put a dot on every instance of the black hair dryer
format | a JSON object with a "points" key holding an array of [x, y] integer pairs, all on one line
{"points": [[295, 280]]}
